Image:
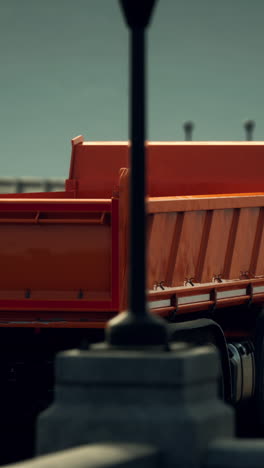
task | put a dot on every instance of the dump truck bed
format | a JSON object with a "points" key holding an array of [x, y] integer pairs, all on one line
{"points": [[64, 256]]}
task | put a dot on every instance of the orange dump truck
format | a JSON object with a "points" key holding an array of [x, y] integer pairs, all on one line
{"points": [[64, 254]]}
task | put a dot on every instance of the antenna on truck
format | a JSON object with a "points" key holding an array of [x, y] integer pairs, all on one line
{"points": [[137, 327], [188, 128], [249, 126]]}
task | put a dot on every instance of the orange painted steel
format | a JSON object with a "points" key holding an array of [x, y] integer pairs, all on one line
{"points": [[205, 243], [43, 249], [182, 300], [64, 255], [173, 168]]}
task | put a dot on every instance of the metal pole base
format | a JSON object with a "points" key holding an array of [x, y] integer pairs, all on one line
{"points": [[128, 329]]}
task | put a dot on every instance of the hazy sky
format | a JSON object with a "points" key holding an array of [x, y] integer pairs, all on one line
{"points": [[64, 72]]}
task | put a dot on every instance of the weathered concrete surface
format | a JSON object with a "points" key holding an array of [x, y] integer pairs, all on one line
{"points": [[99, 456], [235, 453], [165, 399]]}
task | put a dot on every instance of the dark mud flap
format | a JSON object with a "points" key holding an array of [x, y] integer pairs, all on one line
{"points": [[203, 332], [259, 360]]}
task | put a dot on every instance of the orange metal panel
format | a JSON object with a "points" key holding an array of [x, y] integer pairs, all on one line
{"points": [[257, 264], [174, 248], [57, 257], [174, 168], [242, 248], [204, 202], [33, 195], [95, 168], [216, 245], [189, 168], [186, 262], [63, 247], [206, 245], [159, 248]]}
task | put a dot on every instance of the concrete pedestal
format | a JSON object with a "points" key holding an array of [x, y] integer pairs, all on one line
{"points": [[166, 399]]}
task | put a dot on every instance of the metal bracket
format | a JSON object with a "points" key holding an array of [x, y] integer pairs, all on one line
{"points": [[189, 281], [159, 284], [246, 274], [250, 292], [175, 304], [214, 298], [218, 278]]}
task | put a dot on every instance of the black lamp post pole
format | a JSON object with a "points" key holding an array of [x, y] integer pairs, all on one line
{"points": [[136, 327], [137, 286]]}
